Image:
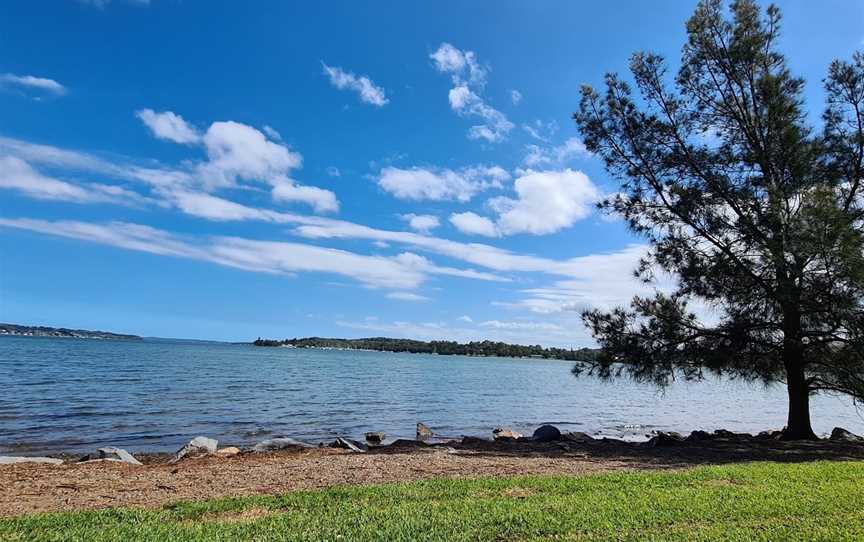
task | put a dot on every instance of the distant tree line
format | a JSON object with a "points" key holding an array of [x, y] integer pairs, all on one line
{"points": [[446, 348]]}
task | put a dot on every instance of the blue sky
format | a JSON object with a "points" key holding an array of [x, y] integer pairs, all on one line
{"points": [[225, 170]]}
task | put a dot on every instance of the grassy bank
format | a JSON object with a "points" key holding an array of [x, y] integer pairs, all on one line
{"points": [[760, 501]]}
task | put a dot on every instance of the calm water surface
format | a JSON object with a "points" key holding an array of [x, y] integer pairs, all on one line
{"points": [[77, 394]]}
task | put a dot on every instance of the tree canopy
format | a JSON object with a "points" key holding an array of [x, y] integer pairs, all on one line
{"points": [[754, 211]]}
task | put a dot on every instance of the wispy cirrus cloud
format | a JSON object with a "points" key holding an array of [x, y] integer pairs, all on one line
{"points": [[365, 88], [31, 82], [402, 273], [469, 78]]}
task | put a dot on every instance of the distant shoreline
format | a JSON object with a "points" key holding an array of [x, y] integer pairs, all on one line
{"points": [[15, 330], [444, 348]]}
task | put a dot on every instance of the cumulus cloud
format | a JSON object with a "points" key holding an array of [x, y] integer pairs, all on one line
{"points": [[473, 224], [364, 87], [421, 223], [546, 202], [440, 184], [169, 126], [468, 78], [542, 155], [30, 82]]}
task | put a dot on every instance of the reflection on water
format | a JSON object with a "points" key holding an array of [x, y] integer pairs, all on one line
{"points": [[77, 394]]}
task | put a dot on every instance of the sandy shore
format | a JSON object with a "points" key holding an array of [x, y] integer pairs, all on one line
{"points": [[30, 488]]}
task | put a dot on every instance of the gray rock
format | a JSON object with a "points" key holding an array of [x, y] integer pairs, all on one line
{"points": [[119, 454], [505, 432], [196, 446], [423, 431], [698, 436], [348, 444], [662, 440], [578, 436], [280, 443], [546, 433], [13, 460], [375, 437], [840, 434]]}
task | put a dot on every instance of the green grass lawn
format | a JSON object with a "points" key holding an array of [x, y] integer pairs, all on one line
{"points": [[759, 501]]}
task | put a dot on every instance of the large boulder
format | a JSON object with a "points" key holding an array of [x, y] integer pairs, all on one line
{"points": [[663, 440], [423, 432], [280, 443], [546, 433], [116, 454], [375, 438], [842, 435], [196, 446], [699, 436], [348, 444], [505, 433], [12, 460]]}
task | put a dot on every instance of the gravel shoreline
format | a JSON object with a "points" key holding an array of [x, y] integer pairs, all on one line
{"points": [[33, 488]]}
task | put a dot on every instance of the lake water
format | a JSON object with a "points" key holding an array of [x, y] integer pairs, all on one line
{"points": [[74, 395]]}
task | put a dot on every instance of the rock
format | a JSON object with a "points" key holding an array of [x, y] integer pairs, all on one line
{"points": [[475, 441], [280, 443], [229, 451], [348, 444], [770, 435], [119, 454], [12, 460], [840, 434], [578, 436], [423, 431], [662, 440], [505, 432], [546, 433], [407, 444], [723, 433], [375, 437], [196, 446], [698, 436]]}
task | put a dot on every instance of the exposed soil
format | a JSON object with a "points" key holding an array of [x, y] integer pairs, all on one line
{"points": [[29, 488]]}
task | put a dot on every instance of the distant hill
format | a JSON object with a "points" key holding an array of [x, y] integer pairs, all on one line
{"points": [[43, 331], [477, 348]]}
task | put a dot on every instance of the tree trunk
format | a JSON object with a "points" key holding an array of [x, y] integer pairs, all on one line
{"points": [[798, 423]]}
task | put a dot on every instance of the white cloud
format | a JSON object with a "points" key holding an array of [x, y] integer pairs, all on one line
{"points": [[421, 223], [540, 130], [531, 326], [333, 171], [323, 201], [400, 273], [406, 296], [474, 224], [468, 79], [449, 59], [465, 318], [441, 184], [169, 126], [546, 202], [31, 82], [238, 151], [597, 280], [362, 85], [272, 133], [560, 154], [515, 97], [18, 175]]}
